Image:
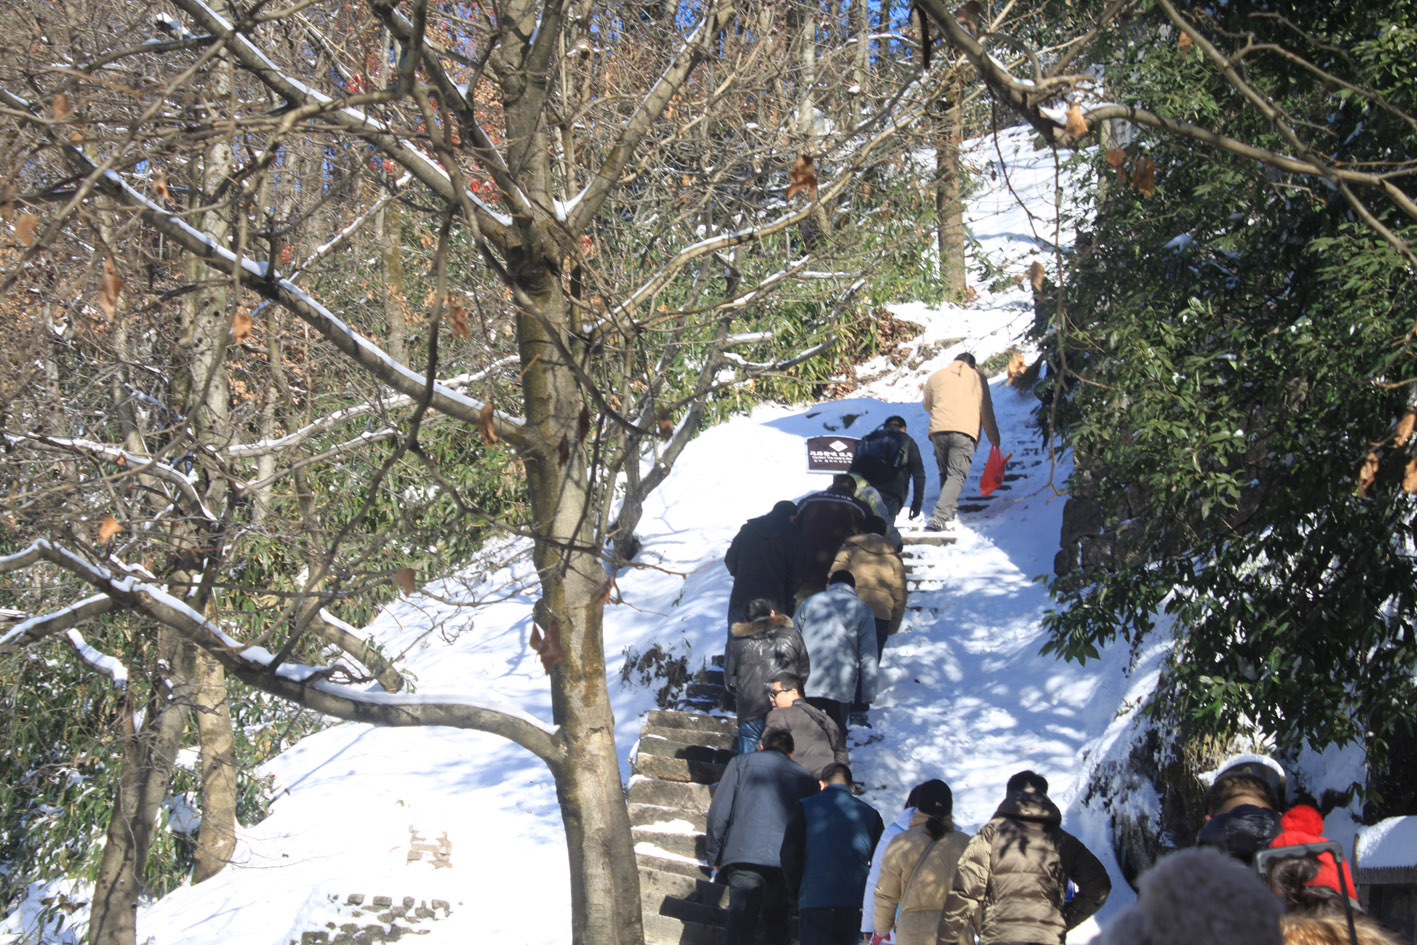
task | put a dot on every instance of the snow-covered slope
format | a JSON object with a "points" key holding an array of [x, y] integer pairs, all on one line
{"points": [[966, 695]]}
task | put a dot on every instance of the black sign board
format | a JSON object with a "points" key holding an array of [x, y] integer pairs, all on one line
{"points": [[832, 454]]}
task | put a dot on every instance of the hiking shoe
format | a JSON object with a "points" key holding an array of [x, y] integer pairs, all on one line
{"points": [[934, 525]]}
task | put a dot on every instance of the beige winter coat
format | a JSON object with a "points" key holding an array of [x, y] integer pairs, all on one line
{"points": [[919, 906], [957, 400], [879, 574]]}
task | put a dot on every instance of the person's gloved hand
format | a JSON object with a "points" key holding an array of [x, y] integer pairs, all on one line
{"points": [[914, 513]]}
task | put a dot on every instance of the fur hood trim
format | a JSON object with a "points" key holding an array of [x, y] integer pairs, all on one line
{"points": [[761, 625]]}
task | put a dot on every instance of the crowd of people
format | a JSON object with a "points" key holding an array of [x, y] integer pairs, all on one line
{"points": [[819, 587]]}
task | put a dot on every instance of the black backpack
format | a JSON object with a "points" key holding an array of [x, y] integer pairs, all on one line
{"points": [[880, 454]]}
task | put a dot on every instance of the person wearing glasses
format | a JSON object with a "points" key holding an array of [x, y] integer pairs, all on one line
{"points": [[819, 741]]}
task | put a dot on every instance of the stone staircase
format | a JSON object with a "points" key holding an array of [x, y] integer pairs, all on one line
{"points": [[682, 753]]}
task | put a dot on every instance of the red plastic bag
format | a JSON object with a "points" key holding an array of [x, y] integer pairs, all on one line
{"points": [[993, 476]]}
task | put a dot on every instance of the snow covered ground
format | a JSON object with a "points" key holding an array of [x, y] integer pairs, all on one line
{"points": [[966, 697]]}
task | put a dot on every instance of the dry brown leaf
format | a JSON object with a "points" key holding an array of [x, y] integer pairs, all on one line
{"points": [[802, 177], [7, 201], [240, 327], [108, 529], [1115, 156], [457, 317], [547, 646], [1016, 366], [1077, 125], [1036, 275], [969, 295], [970, 16], [664, 424], [602, 593], [406, 579], [484, 423], [62, 109], [26, 226], [1409, 477], [1123, 177], [160, 185], [110, 285], [1184, 41], [1405, 427], [583, 423], [1368, 474], [1145, 177], [563, 451]]}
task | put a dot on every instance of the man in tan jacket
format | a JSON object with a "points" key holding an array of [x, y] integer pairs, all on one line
{"points": [[957, 400]]}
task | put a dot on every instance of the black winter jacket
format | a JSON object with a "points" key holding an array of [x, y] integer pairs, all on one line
{"points": [[826, 519], [765, 560], [751, 806], [757, 652], [896, 489], [1241, 831]]}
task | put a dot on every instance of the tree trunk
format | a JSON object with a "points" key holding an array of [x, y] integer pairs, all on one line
{"points": [[149, 752], [216, 838], [949, 198]]}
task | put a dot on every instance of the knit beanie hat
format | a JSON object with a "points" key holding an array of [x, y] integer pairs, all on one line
{"points": [[934, 798], [1198, 895]]}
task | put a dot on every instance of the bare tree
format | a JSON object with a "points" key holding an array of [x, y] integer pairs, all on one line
{"points": [[596, 203]]}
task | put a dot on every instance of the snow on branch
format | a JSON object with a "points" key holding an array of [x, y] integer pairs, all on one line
{"points": [[308, 686], [137, 463], [108, 665], [315, 428], [42, 627], [266, 282], [342, 113]]}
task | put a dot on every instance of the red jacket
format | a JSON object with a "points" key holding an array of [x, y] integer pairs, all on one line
{"points": [[1304, 824]]}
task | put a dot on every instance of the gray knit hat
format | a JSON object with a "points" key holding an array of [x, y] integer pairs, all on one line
{"points": [[1196, 896]]}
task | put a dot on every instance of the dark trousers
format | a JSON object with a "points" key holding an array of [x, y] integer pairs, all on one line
{"points": [[836, 925], [757, 895], [837, 710]]}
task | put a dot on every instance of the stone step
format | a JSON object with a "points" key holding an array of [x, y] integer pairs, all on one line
{"points": [[704, 692], [977, 503], [1013, 477], [932, 538], [688, 910], [656, 884], [713, 676], [648, 861], [669, 747], [665, 930], [676, 795], [688, 736], [699, 705], [677, 769], [694, 721], [680, 844], [645, 815]]}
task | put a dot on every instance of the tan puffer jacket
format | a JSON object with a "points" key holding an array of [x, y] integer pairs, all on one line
{"points": [[1017, 869], [919, 906], [957, 400], [879, 574]]}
